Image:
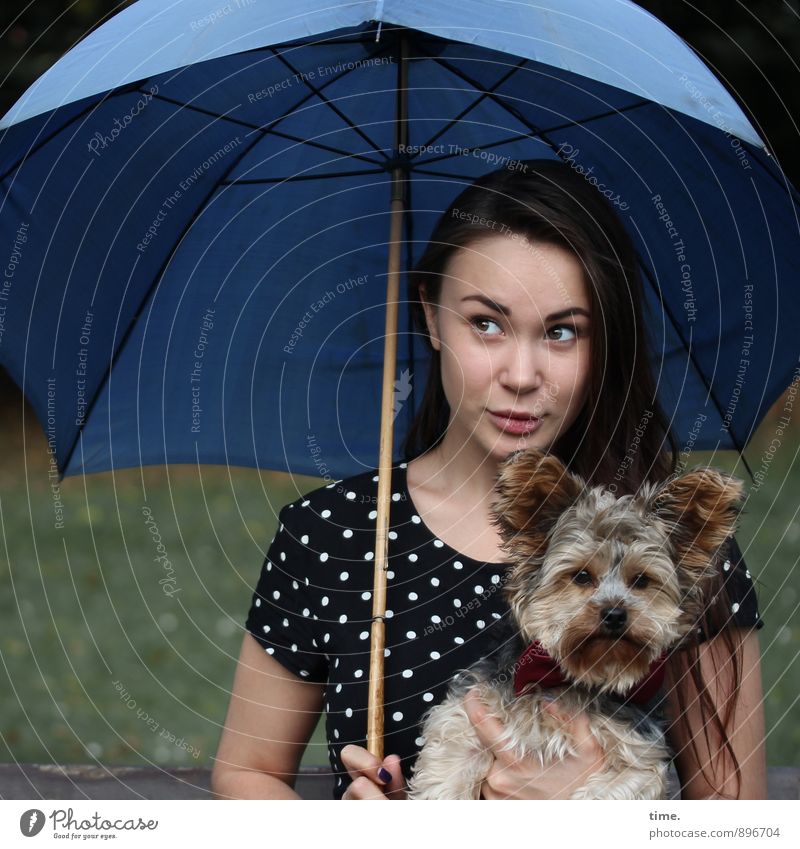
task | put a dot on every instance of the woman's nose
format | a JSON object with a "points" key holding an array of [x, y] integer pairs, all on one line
{"points": [[523, 367]]}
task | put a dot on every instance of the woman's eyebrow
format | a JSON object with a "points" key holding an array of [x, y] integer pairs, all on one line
{"points": [[492, 304]]}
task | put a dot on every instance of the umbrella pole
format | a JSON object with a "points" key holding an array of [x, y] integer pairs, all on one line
{"points": [[378, 628]]}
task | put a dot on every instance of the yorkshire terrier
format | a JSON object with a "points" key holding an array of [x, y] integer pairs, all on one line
{"points": [[601, 588]]}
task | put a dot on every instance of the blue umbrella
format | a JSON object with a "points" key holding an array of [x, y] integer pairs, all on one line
{"points": [[196, 213], [199, 202]]}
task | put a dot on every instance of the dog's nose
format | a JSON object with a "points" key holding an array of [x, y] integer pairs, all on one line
{"points": [[614, 618]]}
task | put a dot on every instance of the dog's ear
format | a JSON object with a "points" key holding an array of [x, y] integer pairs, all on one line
{"points": [[699, 509], [532, 490]]}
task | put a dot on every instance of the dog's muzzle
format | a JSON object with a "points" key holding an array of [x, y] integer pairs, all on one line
{"points": [[614, 619]]}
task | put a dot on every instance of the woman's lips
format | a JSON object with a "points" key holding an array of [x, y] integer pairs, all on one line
{"points": [[519, 427]]}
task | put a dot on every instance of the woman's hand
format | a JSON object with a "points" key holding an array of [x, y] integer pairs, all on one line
{"points": [[372, 778], [525, 778]]}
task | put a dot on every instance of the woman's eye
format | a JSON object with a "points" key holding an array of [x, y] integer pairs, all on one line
{"points": [[582, 577], [560, 330], [480, 323]]}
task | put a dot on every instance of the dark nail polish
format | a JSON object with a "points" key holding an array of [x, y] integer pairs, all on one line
{"points": [[384, 775]]}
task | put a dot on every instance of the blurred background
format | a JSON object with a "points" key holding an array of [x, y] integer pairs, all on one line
{"points": [[99, 665]]}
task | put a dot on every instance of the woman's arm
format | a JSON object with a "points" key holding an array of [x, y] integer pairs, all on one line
{"points": [[746, 731], [271, 716]]}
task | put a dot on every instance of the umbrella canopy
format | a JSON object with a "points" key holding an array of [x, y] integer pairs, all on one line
{"points": [[196, 216]]}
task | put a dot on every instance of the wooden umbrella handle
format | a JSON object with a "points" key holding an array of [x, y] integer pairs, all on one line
{"points": [[378, 628]]}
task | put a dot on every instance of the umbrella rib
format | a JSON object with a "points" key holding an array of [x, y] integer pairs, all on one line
{"points": [[490, 94], [35, 148], [330, 104], [521, 137], [269, 130], [344, 154], [709, 390], [136, 87], [512, 110], [513, 138], [598, 116], [154, 283], [462, 150], [294, 45], [292, 110], [430, 172], [484, 93], [298, 177]]}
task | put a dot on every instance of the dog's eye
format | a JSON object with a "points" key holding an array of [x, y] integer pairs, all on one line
{"points": [[640, 582], [582, 577]]}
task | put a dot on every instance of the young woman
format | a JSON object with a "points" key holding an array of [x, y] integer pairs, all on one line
{"points": [[529, 296]]}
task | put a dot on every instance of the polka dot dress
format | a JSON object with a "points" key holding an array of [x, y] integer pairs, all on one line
{"points": [[313, 604]]}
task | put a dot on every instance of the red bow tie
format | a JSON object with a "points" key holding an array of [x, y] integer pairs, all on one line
{"points": [[536, 666]]}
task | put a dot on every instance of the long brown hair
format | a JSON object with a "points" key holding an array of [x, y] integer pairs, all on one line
{"points": [[550, 203], [621, 438]]}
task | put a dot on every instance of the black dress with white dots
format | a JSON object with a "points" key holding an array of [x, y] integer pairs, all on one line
{"points": [[312, 609]]}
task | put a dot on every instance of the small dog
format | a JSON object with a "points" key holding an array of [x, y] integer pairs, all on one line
{"points": [[601, 589]]}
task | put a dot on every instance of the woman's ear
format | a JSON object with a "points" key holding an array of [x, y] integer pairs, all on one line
{"points": [[431, 317]]}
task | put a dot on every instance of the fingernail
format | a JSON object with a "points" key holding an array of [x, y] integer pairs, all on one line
{"points": [[549, 697], [384, 775]]}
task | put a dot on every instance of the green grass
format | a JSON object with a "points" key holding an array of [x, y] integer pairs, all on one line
{"points": [[97, 660], [86, 630]]}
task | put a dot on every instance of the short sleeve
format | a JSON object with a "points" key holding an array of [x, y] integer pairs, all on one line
{"points": [[281, 616], [739, 607]]}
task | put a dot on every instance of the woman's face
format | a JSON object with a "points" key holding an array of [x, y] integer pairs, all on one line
{"points": [[512, 326]]}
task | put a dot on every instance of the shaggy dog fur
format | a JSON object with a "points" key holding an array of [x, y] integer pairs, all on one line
{"points": [[606, 585]]}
